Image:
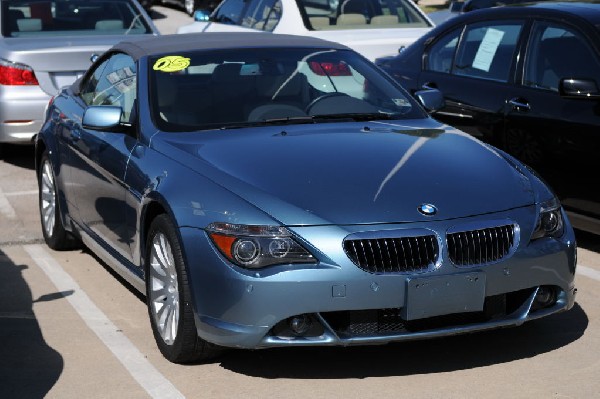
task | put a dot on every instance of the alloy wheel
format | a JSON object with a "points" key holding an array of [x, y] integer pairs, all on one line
{"points": [[524, 146], [48, 199], [164, 288]]}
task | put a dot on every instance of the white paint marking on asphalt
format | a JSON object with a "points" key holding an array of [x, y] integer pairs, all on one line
{"points": [[5, 207], [588, 272], [20, 193], [157, 385]]}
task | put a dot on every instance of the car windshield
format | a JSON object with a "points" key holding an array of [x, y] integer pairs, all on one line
{"points": [[237, 88], [21, 18], [360, 14]]}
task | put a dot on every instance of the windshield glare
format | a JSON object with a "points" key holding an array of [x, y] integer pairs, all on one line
{"points": [[24, 18], [257, 86]]}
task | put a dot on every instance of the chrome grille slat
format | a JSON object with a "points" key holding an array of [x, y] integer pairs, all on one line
{"points": [[476, 247], [393, 254]]}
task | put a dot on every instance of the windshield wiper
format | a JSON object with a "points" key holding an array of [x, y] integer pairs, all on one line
{"points": [[358, 117], [297, 120], [289, 120]]}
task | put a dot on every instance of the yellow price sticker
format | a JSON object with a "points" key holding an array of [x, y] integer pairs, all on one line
{"points": [[171, 63]]}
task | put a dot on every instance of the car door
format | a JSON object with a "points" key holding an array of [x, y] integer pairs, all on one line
{"points": [[100, 157], [473, 66], [541, 121]]}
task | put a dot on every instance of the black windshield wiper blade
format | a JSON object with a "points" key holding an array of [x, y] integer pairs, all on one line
{"points": [[357, 116], [294, 120], [290, 120]]}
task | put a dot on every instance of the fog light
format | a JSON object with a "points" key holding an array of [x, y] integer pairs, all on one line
{"points": [[545, 297], [300, 324]]}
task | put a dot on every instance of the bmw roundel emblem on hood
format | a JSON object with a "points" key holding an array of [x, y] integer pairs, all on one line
{"points": [[428, 209]]}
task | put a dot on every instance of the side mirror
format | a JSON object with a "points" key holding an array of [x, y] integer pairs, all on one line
{"points": [[579, 89], [202, 15], [102, 117], [431, 99]]}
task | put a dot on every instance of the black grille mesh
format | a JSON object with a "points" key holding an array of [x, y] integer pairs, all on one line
{"points": [[393, 255], [481, 246]]}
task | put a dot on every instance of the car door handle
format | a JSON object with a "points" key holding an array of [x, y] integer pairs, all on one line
{"points": [[429, 86], [519, 104], [75, 135]]}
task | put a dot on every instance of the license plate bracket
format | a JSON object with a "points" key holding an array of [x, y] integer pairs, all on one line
{"points": [[441, 295]]}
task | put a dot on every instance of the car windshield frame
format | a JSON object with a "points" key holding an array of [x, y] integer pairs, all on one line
{"points": [[236, 88], [50, 18]]}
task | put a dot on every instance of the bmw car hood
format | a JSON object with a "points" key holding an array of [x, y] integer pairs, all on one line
{"points": [[354, 173]]}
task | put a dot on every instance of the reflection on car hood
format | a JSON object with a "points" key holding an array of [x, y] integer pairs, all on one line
{"points": [[355, 173]]}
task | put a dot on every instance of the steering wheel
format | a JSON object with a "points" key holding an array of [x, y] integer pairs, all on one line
{"points": [[321, 98]]}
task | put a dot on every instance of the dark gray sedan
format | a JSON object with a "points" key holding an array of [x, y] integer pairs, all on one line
{"points": [[46, 45]]}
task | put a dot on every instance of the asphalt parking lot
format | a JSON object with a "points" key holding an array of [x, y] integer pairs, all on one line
{"points": [[69, 328]]}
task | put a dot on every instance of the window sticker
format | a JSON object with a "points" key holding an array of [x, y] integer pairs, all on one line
{"points": [[487, 49], [171, 63]]}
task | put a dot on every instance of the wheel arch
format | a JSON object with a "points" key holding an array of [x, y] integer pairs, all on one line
{"points": [[150, 211], [40, 148]]}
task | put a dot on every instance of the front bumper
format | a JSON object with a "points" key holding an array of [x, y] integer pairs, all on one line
{"points": [[247, 309]]}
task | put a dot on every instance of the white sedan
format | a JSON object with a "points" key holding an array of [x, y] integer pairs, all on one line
{"points": [[374, 28]]}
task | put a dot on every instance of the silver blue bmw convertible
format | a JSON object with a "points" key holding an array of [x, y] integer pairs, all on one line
{"points": [[271, 191]]}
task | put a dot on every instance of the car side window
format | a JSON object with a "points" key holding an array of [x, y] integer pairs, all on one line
{"points": [[230, 12], [113, 83], [486, 51], [441, 53], [262, 15], [555, 52]]}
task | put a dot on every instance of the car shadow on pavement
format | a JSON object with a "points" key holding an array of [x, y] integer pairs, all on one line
{"points": [[22, 156], [587, 240], [29, 367], [416, 357]]}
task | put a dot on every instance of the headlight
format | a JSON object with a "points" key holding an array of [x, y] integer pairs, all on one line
{"points": [[254, 247], [550, 222]]}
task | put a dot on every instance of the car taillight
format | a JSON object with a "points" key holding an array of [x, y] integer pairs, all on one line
{"points": [[330, 68], [13, 74]]}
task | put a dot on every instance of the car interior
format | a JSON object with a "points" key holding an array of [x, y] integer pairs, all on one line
{"points": [[57, 17], [349, 14]]}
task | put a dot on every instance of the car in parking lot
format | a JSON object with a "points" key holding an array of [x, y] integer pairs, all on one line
{"points": [[457, 7], [191, 5], [48, 44], [257, 204], [526, 78], [374, 28]]}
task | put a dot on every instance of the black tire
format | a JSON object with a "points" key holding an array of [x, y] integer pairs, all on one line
{"points": [[55, 234], [175, 332]]}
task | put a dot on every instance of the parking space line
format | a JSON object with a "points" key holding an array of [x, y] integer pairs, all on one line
{"points": [[150, 379], [5, 207], [588, 272], [19, 193]]}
